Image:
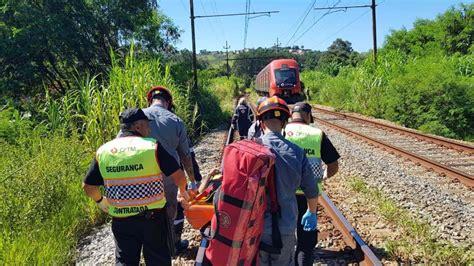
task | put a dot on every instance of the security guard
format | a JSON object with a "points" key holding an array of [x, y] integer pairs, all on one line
{"points": [[170, 130], [317, 146], [131, 168], [292, 171]]}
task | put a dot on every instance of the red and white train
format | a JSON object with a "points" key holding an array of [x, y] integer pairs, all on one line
{"points": [[280, 77]]}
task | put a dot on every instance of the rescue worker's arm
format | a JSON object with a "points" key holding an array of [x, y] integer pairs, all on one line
{"points": [[184, 152], [312, 204], [309, 185], [187, 162], [329, 155], [170, 167], [91, 185], [332, 169], [92, 192]]}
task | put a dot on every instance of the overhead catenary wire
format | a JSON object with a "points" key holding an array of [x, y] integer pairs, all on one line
{"points": [[344, 27], [218, 19], [205, 13], [302, 21], [319, 19]]}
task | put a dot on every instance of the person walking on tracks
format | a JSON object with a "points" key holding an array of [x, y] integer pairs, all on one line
{"points": [[131, 168], [317, 147], [255, 131], [170, 130], [292, 171], [243, 117]]}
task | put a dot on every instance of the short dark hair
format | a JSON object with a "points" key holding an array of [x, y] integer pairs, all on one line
{"points": [[127, 127]]}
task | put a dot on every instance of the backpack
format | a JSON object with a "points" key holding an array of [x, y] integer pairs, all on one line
{"points": [[239, 205]]}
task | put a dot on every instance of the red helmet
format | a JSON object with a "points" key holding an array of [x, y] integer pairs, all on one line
{"points": [[273, 107], [162, 91]]}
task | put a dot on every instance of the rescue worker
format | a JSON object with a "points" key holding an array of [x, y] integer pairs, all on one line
{"points": [[170, 130], [179, 220], [131, 168], [317, 147], [254, 130], [292, 171], [243, 118]]}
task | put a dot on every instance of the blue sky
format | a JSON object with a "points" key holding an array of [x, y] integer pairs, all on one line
{"points": [[354, 25]]}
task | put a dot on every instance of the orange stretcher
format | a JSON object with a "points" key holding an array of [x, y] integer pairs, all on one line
{"points": [[201, 208]]}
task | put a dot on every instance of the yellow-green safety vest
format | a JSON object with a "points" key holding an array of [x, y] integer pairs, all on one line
{"points": [[309, 139], [132, 177]]}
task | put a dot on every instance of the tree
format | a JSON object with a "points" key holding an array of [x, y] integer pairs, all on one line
{"points": [[47, 42], [182, 66], [450, 33], [338, 55]]}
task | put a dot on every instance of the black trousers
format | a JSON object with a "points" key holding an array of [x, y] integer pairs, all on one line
{"points": [[306, 240], [149, 231]]}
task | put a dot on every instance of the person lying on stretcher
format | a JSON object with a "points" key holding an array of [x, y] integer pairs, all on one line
{"points": [[200, 208]]}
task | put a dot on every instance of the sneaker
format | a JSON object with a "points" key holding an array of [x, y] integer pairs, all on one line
{"points": [[181, 246]]}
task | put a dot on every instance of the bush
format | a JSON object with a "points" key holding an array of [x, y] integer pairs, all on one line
{"points": [[433, 93]]}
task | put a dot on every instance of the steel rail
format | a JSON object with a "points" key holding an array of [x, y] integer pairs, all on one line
{"points": [[351, 237], [463, 177], [433, 139]]}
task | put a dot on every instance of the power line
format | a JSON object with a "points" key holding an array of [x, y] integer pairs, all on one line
{"points": [[302, 21], [347, 25], [219, 22], [320, 18], [374, 22], [205, 13], [237, 14]]}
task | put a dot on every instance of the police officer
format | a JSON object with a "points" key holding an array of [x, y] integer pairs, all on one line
{"points": [[132, 168], [170, 130], [317, 147], [292, 171], [243, 117]]}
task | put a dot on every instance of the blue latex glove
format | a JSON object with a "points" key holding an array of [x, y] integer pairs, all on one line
{"points": [[309, 221], [193, 186]]}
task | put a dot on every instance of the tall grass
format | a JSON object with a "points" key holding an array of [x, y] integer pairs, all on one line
{"points": [[43, 211]]}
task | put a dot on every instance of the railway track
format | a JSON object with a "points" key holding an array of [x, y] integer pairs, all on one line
{"points": [[353, 249], [447, 157]]}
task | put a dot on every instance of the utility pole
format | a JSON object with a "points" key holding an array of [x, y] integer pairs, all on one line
{"points": [[374, 30], [227, 47], [374, 27], [277, 45], [193, 37]]}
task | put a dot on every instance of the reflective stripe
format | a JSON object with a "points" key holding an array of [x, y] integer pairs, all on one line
{"points": [[127, 203], [135, 180]]}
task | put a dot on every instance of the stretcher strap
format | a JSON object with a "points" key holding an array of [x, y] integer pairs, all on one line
{"points": [[235, 201], [228, 242], [277, 244]]}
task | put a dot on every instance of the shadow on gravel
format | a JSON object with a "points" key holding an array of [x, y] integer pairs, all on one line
{"points": [[189, 254]]}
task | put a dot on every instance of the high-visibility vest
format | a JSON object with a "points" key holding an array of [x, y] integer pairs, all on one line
{"points": [[132, 176], [309, 139]]}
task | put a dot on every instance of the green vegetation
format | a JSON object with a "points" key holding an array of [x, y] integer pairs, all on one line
{"points": [[49, 42], [44, 211], [422, 79], [70, 67], [418, 244]]}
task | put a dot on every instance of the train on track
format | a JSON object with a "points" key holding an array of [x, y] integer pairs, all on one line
{"points": [[281, 77]]}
